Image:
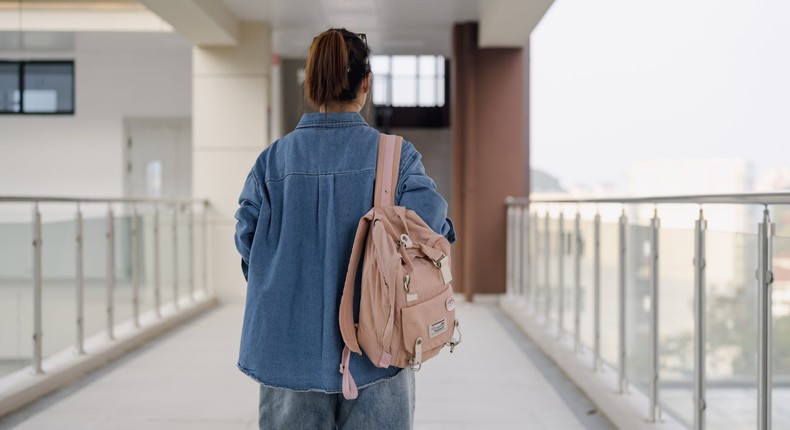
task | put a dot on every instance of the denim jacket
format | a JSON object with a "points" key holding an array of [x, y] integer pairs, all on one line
{"points": [[299, 209]]}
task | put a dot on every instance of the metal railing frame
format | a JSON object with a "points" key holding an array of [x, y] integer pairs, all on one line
{"points": [[79, 203], [519, 212]]}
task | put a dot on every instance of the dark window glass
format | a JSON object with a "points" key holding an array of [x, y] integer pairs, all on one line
{"points": [[9, 87], [49, 88]]}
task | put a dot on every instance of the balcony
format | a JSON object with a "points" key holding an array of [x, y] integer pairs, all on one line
{"points": [[676, 305], [648, 306]]}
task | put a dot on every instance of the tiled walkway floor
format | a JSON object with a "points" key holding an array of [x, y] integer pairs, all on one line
{"points": [[187, 379]]}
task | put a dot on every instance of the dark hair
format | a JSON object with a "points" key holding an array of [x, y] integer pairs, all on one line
{"points": [[336, 65]]}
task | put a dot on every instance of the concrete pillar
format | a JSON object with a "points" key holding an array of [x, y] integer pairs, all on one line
{"points": [[489, 142], [231, 90]]}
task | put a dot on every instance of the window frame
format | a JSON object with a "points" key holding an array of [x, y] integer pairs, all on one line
{"points": [[440, 84], [21, 83]]}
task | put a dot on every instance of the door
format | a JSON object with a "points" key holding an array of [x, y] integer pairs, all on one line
{"points": [[158, 158]]}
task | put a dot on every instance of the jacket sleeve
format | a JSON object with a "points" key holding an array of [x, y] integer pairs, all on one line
{"points": [[417, 191], [247, 219]]}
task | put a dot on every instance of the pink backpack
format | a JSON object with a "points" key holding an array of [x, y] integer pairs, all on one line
{"points": [[407, 308]]}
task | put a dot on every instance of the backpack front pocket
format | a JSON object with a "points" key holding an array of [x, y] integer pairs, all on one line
{"points": [[429, 325]]}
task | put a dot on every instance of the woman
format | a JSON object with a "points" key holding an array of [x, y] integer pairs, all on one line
{"points": [[298, 214]]}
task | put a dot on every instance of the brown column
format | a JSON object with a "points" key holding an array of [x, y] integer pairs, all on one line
{"points": [[488, 137]]}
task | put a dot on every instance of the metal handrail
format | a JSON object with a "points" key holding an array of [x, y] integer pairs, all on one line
{"points": [[523, 238], [767, 198]]}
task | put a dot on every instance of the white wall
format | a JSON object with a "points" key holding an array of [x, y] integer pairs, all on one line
{"points": [[230, 128], [118, 75]]}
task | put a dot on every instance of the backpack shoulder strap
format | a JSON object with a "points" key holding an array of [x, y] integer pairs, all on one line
{"points": [[346, 311], [346, 314], [387, 167]]}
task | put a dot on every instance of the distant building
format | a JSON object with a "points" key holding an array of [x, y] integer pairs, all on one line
{"points": [[542, 182], [773, 180]]}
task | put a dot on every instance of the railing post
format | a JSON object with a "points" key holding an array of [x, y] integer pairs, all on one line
{"points": [[191, 251], [509, 250], [597, 293], [80, 282], [622, 378], [175, 255], [655, 225], [547, 268], [561, 275], [157, 274], [516, 249], [699, 323], [205, 248], [37, 332], [533, 275], [765, 318], [526, 267], [110, 273], [135, 268], [577, 281]]}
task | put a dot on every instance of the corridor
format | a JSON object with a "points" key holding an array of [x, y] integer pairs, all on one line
{"points": [[187, 380]]}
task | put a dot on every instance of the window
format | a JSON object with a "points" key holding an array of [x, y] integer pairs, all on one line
{"points": [[37, 87], [9, 87], [408, 80]]}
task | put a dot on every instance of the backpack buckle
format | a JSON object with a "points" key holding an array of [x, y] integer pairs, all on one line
{"points": [[453, 342], [416, 362], [405, 240], [444, 267], [410, 297]]}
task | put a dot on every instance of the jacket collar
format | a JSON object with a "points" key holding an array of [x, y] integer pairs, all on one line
{"points": [[331, 119]]}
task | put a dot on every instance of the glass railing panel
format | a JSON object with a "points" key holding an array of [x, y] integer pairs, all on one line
{"points": [[552, 247], [122, 294], [638, 304], [731, 320], [781, 319], [167, 258], [184, 251], [539, 264], [59, 293], [147, 224], [94, 228], [586, 316], [676, 322], [564, 271], [16, 287], [609, 291], [570, 270], [145, 233], [201, 245]]}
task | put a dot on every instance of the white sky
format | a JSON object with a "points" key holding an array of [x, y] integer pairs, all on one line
{"points": [[619, 81]]}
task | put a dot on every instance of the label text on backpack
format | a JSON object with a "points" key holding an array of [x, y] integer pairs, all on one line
{"points": [[437, 328]]}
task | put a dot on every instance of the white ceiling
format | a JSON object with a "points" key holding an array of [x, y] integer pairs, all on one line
{"points": [[392, 27]]}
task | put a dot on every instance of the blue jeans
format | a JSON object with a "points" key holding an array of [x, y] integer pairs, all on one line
{"points": [[386, 404]]}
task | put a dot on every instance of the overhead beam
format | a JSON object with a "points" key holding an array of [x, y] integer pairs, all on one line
{"points": [[202, 22], [508, 23]]}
